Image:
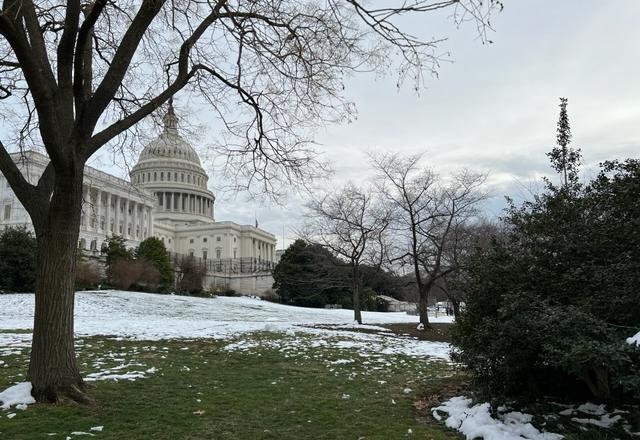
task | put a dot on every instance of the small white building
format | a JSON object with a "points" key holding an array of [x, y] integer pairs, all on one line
{"points": [[168, 197]]}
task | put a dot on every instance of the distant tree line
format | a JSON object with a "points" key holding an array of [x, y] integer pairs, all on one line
{"points": [[310, 275]]}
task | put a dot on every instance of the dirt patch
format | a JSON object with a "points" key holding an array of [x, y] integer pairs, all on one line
{"points": [[422, 407], [439, 332]]}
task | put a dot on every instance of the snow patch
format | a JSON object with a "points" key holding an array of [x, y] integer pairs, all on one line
{"points": [[476, 421], [634, 340], [19, 394]]}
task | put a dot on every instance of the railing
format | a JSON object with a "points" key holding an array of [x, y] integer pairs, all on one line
{"points": [[226, 265]]}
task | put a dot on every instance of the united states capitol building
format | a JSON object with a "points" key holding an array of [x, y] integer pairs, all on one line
{"points": [[167, 197]]}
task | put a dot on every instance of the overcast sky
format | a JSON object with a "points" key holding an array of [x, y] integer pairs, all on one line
{"points": [[493, 108]]}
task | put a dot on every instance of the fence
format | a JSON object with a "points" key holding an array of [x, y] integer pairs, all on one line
{"points": [[226, 265]]}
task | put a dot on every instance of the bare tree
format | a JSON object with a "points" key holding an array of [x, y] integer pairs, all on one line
{"points": [[430, 214], [76, 77], [349, 223]]}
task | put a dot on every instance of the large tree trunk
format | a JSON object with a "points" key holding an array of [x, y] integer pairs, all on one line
{"points": [[423, 302], [456, 308], [53, 370], [357, 314]]}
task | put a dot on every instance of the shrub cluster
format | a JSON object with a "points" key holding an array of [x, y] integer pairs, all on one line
{"points": [[552, 301], [148, 268], [309, 275]]}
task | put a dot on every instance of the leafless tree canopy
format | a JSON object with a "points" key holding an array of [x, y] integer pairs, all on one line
{"points": [[351, 223], [78, 75], [432, 215]]}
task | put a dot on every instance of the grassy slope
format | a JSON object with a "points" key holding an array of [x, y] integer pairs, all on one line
{"points": [[261, 394]]}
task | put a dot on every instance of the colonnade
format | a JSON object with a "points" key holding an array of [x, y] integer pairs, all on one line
{"points": [[111, 213], [184, 202], [264, 250]]}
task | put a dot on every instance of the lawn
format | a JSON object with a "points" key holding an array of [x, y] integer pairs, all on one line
{"points": [[265, 385], [169, 367]]}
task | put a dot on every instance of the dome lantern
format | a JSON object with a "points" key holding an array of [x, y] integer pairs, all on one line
{"points": [[170, 120]]}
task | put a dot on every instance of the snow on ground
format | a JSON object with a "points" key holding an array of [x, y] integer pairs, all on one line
{"points": [[476, 421], [18, 395], [592, 414], [145, 316], [634, 340], [153, 317]]}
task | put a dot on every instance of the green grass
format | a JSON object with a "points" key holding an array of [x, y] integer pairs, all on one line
{"points": [[267, 392]]}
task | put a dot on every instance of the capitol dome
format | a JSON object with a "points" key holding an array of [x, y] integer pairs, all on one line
{"points": [[170, 169]]}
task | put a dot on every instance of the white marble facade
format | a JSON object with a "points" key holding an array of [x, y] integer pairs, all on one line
{"points": [[168, 197], [110, 205]]}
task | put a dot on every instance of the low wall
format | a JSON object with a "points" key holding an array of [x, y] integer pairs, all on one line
{"points": [[243, 284]]}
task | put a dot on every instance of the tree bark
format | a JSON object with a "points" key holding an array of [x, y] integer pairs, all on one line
{"points": [[53, 370], [423, 303], [597, 379], [456, 308], [357, 314]]}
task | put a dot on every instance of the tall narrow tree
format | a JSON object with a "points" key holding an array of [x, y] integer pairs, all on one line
{"points": [[564, 159]]}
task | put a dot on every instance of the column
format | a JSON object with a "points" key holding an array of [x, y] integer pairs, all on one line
{"points": [[107, 215], [149, 223], [134, 218], [98, 208], [116, 217], [125, 219]]}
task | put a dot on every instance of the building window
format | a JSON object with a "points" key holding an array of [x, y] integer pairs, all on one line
{"points": [[235, 253], [175, 176], [155, 176], [7, 212], [191, 240], [204, 255], [204, 240], [218, 238], [234, 239], [182, 175], [162, 176], [218, 253]]}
